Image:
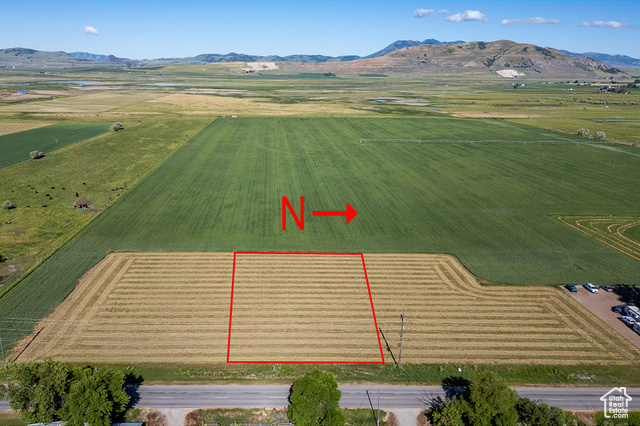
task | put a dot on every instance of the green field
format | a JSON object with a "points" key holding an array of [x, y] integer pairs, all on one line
{"points": [[15, 147], [489, 203]]}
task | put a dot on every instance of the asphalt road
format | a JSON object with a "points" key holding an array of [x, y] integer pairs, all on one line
{"points": [[353, 396]]}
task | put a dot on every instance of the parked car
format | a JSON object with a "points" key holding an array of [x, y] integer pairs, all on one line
{"points": [[572, 288], [606, 288], [628, 321], [618, 309], [592, 288], [636, 327]]}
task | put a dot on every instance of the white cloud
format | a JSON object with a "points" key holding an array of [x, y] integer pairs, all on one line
{"points": [[535, 21], [443, 12], [421, 13], [608, 24], [90, 30], [468, 15]]}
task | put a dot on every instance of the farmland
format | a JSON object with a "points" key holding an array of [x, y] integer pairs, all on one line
{"points": [[8, 128], [45, 190], [615, 232], [16, 146], [174, 308], [489, 203]]}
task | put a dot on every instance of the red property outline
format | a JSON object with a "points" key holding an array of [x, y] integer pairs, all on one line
{"points": [[303, 362]]}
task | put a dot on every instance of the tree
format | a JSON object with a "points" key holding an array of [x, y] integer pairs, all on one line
{"points": [[96, 396], [450, 414], [37, 391], [583, 132], [315, 400], [7, 205], [36, 154], [116, 126], [491, 401], [601, 135], [50, 391]]}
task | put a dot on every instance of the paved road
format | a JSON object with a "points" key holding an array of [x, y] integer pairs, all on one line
{"points": [[353, 396]]}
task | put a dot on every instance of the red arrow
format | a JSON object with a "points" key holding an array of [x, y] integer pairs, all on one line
{"points": [[350, 213]]}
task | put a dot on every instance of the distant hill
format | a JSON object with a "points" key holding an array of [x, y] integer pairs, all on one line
{"points": [[503, 57], [526, 59], [622, 61], [401, 44], [26, 58], [86, 55]]}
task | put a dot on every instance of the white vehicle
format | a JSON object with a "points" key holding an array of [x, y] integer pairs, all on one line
{"points": [[629, 321], [632, 311], [636, 327], [592, 288]]}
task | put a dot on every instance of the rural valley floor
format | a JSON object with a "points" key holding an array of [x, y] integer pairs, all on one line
{"points": [[475, 202]]}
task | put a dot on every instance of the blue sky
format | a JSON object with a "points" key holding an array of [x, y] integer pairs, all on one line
{"points": [[154, 29]]}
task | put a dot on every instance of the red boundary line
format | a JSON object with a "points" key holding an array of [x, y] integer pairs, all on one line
{"points": [[303, 362]]}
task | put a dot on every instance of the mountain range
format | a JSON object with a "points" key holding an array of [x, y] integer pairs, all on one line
{"points": [[21, 57]]}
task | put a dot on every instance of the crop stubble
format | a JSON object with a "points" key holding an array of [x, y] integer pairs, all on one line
{"points": [[174, 307], [8, 128]]}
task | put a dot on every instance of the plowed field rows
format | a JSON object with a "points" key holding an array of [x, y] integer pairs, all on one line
{"points": [[174, 307], [8, 128]]}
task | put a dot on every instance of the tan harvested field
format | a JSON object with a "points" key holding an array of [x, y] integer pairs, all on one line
{"points": [[300, 307], [608, 230], [82, 103], [225, 105], [174, 307], [8, 128]]}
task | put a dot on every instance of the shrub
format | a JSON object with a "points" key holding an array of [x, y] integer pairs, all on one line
{"points": [[116, 126], [583, 132], [7, 205], [601, 135], [36, 154]]}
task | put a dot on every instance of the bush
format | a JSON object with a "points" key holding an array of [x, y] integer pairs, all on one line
{"points": [[116, 126], [7, 205], [36, 154], [601, 135], [583, 132]]}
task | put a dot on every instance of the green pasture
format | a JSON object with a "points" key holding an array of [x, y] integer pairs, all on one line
{"points": [[99, 169], [489, 203], [15, 147]]}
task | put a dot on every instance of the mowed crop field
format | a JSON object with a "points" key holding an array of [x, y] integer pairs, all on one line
{"points": [[492, 204], [616, 232], [82, 103], [15, 147], [174, 307], [8, 128]]}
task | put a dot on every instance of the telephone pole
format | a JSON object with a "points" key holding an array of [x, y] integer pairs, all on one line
{"points": [[2, 348], [401, 331]]}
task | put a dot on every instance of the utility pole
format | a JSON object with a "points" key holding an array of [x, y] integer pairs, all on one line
{"points": [[2, 348], [401, 331], [378, 417]]}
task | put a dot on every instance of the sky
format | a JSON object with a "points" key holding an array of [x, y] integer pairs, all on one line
{"points": [[164, 29]]}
